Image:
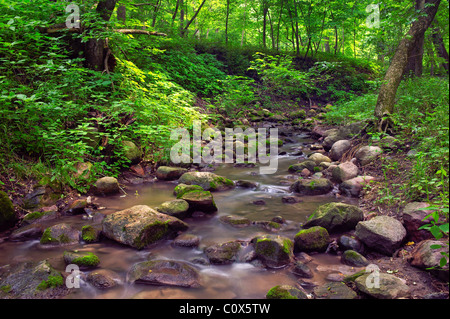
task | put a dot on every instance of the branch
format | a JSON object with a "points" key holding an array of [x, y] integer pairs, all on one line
{"points": [[136, 31]]}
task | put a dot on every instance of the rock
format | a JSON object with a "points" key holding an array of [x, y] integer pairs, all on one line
{"points": [[289, 199], [140, 226], [318, 186], [312, 239], [131, 152], [103, 278], [347, 242], [354, 186], [259, 202], [279, 220], [164, 273], [178, 208], [389, 287], [106, 185], [207, 180], [31, 280], [8, 216], [182, 189], [60, 234], [91, 234], [33, 199], [224, 253], [44, 214], [168, 173], [302, 270], [389, 143], [339, 148], [413, 218], [273, 251], [305, 172], [200, 201], [334, 290], [77, 207], [353, 258], [318, 158], [345, 171], [85, 260], [247, 184], [426, 255], [286, 292], [24, 233], [382, 233], [308, 164], [186, 240], [335, 277], [235, 221], [335, 217], [368, 154], [343, 133], [83, 170]]}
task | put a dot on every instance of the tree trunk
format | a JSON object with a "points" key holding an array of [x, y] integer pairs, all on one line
{"points": [[226, 22], [414, 65], [185, 30], [265, 11], [388, 90], [439, 45]]}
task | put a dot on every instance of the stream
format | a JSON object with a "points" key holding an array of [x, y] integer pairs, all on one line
{"points": [[238, 280]]}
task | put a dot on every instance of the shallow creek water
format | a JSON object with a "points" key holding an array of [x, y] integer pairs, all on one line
{"points": [[238, 280]]}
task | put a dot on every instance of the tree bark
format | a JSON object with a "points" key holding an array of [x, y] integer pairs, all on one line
{"points": [[414, 65], [226, 22], [185, 29], [392, 79], [265, 11], [439, 45]]}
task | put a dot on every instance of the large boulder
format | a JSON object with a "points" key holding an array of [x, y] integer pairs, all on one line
{"points": [[345, 171], [140, 226], [317, 186], [31, 280], [200, 201], [367, 154], [8, 216], [312, 239], [353, 187], [335, 217], [339, 148], [386, 287], [85, 260], [428, 255], [273, 251], [168, 173], [413, 218], [165, 273], [223, 253], [381, 233], [207, 180], [182, 189], [106, 185], [343, 133], [60, 234]]}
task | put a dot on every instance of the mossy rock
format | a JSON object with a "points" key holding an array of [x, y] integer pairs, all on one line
{"points": [[311, 187], [285, 292], [308, 164], [8, 216], [224, 253], [353, 258], [334, 290], [235, 221], [274, 251], [85, 260], [207, 180], [312, 239], [106, 185], [140, 226], [131, 152], [300, 114], [103, 278], [182, 189], [91, 234], [335, 217], [200, 201], [39, 216], [178, 208], [60, 234], [168, 173]]}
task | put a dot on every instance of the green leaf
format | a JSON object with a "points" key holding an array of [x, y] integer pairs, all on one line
{"points": [[443, 262], [444, 228], [436, 231], [435, 246]]}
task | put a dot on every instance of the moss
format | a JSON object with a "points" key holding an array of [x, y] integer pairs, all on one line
{"points": [[288, 246], [151, 233], [88, 234], [7, 213], [33, 216], [90, 260], [47, 237], [5, 288], [51, 282], [182, 189], [278, 292]]}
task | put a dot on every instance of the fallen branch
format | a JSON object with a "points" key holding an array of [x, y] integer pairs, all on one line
{"points": [[62, 27]]}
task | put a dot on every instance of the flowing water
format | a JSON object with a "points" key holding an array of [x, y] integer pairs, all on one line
{"points": [[238, 280]]}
